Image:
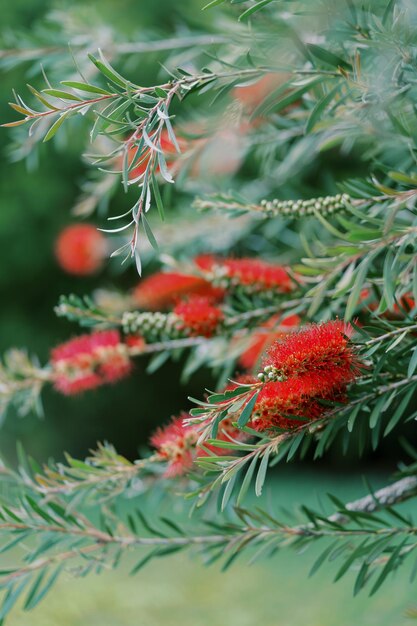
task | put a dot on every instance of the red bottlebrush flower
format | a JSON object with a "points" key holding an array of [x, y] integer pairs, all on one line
{"points": [[199, 317], [261, 341], [315, 364], [164, 289], [280, 403], [80, 249], [252, 273], [175, 444], [316, 347], [89, 361]]}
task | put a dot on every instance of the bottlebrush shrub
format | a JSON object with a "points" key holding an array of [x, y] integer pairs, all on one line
{"points": [[326, 185], [89, 361], [80, 249]]}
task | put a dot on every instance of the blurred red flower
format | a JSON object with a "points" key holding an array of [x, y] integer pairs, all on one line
{"points": [[199, 317], [254, 273], [164, 289], [80, 249], [89, 361]]}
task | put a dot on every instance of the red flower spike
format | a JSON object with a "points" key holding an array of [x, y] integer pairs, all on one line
{"points": [[175, 444], [199, 317], [80, 249], [89, 361], [316, 347], [162, 290], [280, 403], [248, 272], [261, 341], [316, 363]]}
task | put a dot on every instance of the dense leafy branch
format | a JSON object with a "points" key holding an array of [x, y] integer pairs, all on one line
{"points": [[65, 539]]}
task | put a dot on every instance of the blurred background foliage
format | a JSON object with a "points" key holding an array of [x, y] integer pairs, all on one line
{"points": [[35, 204]]}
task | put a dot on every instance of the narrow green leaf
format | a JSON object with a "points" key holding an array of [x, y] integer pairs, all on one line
{"points": [[228, 490], [399, 411], [350, 560], [260, 478], [253, 9], [361, 578], [356, 291], [85, 87], [12, 596], [108, 71], [213, 3], [248, 479], [319, 108], [295, 445], [412, 365], [322, 557], [328, 57], [149, 233], [245, 415], [63, 95], [389, 566], [158, 198], [56, 125]]}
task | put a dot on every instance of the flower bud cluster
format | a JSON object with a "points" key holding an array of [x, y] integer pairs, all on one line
{"points": [[153, 326], [299, 208], [271, 374]]}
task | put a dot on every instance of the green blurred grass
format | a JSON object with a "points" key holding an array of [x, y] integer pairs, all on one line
{"points": [[180, 591]]}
